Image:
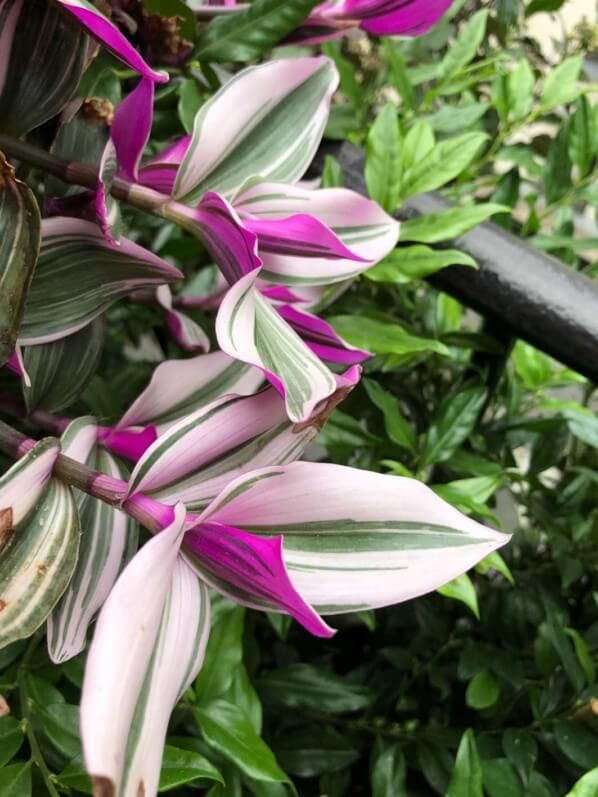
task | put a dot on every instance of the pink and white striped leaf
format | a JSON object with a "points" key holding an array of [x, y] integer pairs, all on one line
{"points": [[361, 225], [249, 329], [160, 171], [231, 244], [197, 457], [179, 652], [22, 486], [267, 120], [108, 540], [250, 570], [127, 443], [102, 29], [121, 655], [179, 387], [189, 335], [129, 139], [353, 539], [79, 275], [321, 337]]}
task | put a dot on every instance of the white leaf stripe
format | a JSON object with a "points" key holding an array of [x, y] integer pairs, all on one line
{"points": [[195, 459], [279, 111], [178, 655], [42, 57], [38, 563], [179, 387], [22, 486], [79, 275], [108, 540], [121, 651], [354, 538]]}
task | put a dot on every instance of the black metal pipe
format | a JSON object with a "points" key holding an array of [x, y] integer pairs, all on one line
{"points": [[533, 295]]}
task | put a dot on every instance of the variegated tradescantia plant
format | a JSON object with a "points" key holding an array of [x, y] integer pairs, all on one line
{"points": [[198, 490]]}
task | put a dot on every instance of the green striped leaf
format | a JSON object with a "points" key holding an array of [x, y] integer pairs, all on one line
{"points": [[108, 540], [354, 540], [37, 564], [79, 275], [59, 371], [249, 329], [197, 457], [43, 57], [267, 120], [148, 646], [180, 387], [19, 247], [22, 486]]}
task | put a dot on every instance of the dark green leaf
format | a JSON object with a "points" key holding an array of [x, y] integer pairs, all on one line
{"points": [[408, 263], [15, 780], [482, 691], [521, 749], [11, 738], [388, 771], [500, 779], [304, 686], [185, 766], [228, 731], [315, 751], [384, 165], [577, 742], [245, 35], [223, 655], [398, 428], [452, 424], [466, 780], [447, 224]]}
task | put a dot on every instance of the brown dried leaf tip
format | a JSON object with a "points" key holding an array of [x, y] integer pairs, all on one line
{"points": [[7, 172], [6, 528]]}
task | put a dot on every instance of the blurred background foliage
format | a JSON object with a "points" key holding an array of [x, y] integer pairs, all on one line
{"points": [[490, 687]]}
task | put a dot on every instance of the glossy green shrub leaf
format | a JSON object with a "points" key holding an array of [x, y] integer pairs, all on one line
{"points": [[303, 686], [185, 766], [462, 589], [466, 780], [15, 780], [454, 420], [463, 50], [500, 779], [587, 786], [561, 87], [315, 750], [11, 738], [432, 228], [223, 654], [381, 337], [410, 263], [482, 691], [521, 749], [227, 730], [398, 428], [244, 36], [388, 771], [442, 164], [384, 165]]}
